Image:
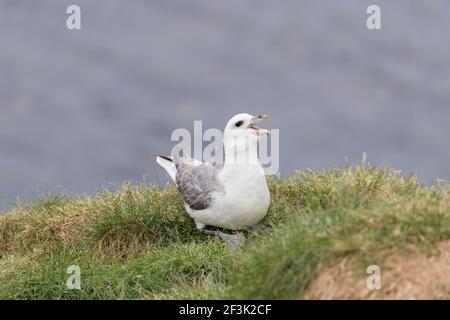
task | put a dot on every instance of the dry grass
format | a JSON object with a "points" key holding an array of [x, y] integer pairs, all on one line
{"points": [[46, 224], [413, 276]]}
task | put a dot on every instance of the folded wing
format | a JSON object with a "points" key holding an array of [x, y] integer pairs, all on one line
{"points": [[197, 183]]}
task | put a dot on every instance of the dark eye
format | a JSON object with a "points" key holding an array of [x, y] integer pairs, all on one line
{"points": [[239, 123]]}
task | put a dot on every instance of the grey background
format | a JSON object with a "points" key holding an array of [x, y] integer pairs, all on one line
{"points": [[80, 109]]}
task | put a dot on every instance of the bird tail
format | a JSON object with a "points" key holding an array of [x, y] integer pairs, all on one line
{"points": [[168, 164]]}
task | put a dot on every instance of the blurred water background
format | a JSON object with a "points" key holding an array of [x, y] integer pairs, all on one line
{"points": [[81, 109]]}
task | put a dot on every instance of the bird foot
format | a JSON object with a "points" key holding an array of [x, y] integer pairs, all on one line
{"points": [[210, 232], [258, 227], [230, 239]]}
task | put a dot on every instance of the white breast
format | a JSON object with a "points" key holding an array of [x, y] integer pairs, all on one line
{"points": [[245, 202]]}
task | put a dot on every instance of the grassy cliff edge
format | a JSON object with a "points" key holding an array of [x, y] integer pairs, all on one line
{"points": [[325, 229]]}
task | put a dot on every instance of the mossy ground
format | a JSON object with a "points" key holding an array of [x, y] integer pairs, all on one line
{"points": [[138, 243]]}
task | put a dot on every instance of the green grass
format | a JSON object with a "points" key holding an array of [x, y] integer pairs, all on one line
{"points": [[137, 242]]}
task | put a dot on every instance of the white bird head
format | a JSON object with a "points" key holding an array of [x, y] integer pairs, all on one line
{"points": [[242, 127], [245, 123]]}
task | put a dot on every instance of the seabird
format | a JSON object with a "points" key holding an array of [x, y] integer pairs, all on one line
{"points": [[233, 197]]}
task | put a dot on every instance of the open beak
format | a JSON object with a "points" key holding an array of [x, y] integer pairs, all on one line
{"points": [[259, 131]]}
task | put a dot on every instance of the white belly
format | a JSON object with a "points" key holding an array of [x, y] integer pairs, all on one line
{"points": [[245, 202]]}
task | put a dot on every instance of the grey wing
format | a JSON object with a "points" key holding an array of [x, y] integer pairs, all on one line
{"points": [[196, 184]]}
